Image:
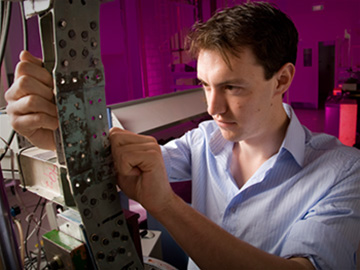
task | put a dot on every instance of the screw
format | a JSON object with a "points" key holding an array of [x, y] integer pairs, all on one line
{"points": [[72, 53], [93, 202], [65, 63], [87, 212], [124, 238], [62, 43], [105, 241], [71, 34], [62, 24], [85, 52], [95, 238], [120, 222], [84, 34], [101, 256], [93, 25], [83, 199]]}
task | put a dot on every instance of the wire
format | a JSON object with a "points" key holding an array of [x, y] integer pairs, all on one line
{"points": [[21, 236], [24, 25], [29, 262], [42, 215], [22, 177], [12, 158], [8, 143], [1, 14], [5, 24], [29, 218], [38, 231]]}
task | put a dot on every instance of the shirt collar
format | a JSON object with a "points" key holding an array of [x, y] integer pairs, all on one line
{"points": [[218, 145], [294, 141]]}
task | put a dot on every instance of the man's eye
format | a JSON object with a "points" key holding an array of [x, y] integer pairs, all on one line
{"points": [[231, 87], [234, 90], [204, 86], [201, 84]]}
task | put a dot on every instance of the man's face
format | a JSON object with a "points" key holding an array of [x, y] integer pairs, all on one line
{"points": [[239, 99]]}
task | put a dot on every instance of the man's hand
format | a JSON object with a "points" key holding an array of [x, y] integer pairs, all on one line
{"points": [[141, 170], [30, 102]]}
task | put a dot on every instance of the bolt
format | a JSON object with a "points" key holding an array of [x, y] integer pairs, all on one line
{"points": [[62, 43], [93, 25], [62, 24], [95, 238], [84, 34], [71, 34], [65, 63]]}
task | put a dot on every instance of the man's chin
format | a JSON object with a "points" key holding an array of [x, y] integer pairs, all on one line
{"points": [[230, 136]]}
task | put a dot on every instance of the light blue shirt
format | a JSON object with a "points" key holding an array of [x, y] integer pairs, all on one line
{"points": [[303, 202]]}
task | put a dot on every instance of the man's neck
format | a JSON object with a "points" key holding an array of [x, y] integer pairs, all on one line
{"points": [[249, 155]]}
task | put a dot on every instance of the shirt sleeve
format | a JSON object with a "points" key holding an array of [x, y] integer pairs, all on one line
{"points": [[329, 234], [177, 159]]}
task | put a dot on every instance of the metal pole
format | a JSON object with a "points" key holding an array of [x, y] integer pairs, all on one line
{"points": [[9, 251]]}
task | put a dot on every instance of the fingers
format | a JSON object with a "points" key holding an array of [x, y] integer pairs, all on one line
{"points": [[37, 128], [134, 154], [30, 79], [124, 137], [31, 104], [26, 56], [26, 86], [30, 93], [141, 170], [32, 66], [28, 124], [136, 159]]}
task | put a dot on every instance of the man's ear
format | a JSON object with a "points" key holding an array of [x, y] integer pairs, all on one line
{"points": [[284, 78]]}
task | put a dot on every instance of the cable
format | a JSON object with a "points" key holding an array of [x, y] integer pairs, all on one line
{"points": [[21, 236], [37, 234], [38, 223], [5, 23], [18, 197], [22, 177], [24, 25], [1, 14], [29, 218], [42, 215], [8, 143]]}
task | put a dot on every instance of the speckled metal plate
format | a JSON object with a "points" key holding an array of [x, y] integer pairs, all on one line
{"points": [[71, 45]]}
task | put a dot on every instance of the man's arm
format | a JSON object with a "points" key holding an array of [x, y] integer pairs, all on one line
{"points": [[142, 176], [211, 247]]}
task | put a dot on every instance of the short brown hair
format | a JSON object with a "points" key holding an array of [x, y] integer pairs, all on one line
{"points": [[260, 26]]}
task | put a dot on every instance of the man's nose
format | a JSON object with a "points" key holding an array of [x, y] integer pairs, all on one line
{"points": [[216, 103]]}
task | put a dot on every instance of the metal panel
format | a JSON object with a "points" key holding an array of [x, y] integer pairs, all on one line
{"points": [[82, 142], [149, 114]]}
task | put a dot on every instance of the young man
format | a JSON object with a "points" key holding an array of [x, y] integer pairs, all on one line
{"points": [[266, 192]]}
